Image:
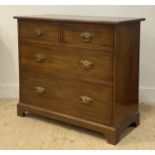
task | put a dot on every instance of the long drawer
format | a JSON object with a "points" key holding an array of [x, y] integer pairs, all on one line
{"points": [[65, 95], [68, 61]]}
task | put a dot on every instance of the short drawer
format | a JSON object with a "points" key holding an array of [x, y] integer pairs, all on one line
{"points": [[42, 31], [67, 61], [87, 101], [88, 35]]}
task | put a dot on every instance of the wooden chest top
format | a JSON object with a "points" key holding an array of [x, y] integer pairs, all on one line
{"points": [[84, 19]]}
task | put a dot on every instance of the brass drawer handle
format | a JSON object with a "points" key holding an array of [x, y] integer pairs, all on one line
{"points": [[38, 32], [86, 64], [39, 57], [86, 36], [85, 100], [39, 90]]}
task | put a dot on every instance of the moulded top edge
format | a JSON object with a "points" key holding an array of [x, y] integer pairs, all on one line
{"points": [[83, 19]]}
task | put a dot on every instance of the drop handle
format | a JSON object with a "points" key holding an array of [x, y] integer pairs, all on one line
{"points": [[86, 36], [85, 100], [39, 90], [39, 57], [85, 64], [38, 32]]}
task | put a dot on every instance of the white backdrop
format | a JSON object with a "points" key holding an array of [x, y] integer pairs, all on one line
{"points": [[9, 51]]}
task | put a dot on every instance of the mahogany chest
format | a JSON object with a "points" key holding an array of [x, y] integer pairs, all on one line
{"points": [[80, 70]]}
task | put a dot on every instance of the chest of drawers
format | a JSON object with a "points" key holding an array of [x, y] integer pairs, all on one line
{"points": [[80, 70]]}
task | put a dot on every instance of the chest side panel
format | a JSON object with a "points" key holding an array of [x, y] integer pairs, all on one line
{"points": [[126, 72]]}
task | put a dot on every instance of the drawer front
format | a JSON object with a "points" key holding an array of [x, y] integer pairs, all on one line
{"points": [[67, 61], [88, 101], [42, 31], [88, 35]]}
